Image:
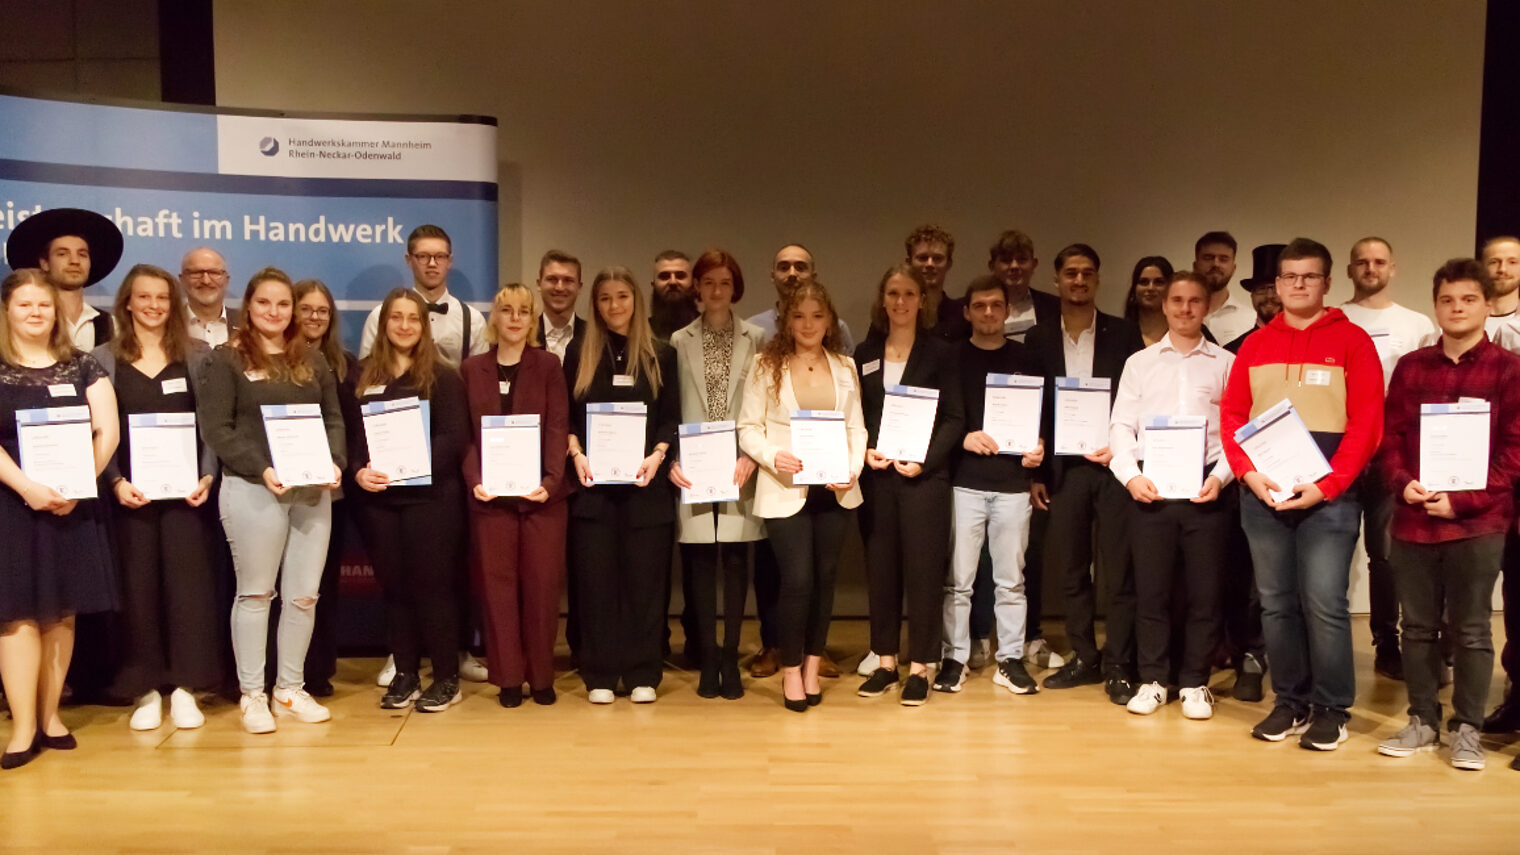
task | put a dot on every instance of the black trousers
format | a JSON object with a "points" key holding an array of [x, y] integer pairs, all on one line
{"points": [[701, 565], [1509, 588], [767, 581], [1092, 507], [417, 550], [907, 554], [1241, 603], [807, 545], [1161, 532], [166, 554], [1382, 593], [620, 574]]}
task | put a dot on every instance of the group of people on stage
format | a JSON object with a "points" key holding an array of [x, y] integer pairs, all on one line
{"points": [[1246, 572]]}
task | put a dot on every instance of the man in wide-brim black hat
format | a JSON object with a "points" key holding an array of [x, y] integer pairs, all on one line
{"points": [[75, 248]]}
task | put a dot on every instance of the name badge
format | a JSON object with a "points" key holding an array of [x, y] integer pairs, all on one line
{"points": [[255, 375], [175, 386], [622, 379], [374, 390], [1317, 377], [504, 387], [870, 367], [61, 390]]}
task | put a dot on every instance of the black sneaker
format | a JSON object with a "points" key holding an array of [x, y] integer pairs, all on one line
{"points": [[440, 696], [1326, 732], [404, 689], [1281, 723], [1388, 661], [1075, 673], [915, 692], [1119, 686], [1248, 679], [878, 683], [1506, 716], [1012, 676], [951, 676]]}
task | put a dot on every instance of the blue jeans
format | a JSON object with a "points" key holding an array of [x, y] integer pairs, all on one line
{"points": [[1303, 568], [1001, 519]]}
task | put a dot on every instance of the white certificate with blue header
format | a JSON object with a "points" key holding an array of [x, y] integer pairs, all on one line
{"points": [[298, 444], [615, 441], [399, 440], [1281, 448], [1454, 446], [57, 449], [511, 454], [164, 461], [907, 423], [1082, 405], [1172, 454], [820, 442], [709, 455], [1012, 413]]}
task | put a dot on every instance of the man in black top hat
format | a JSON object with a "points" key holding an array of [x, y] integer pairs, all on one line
{"points": [[76, 249], [1262, 287]]}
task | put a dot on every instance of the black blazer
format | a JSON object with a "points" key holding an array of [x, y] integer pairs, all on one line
{"points": [[932, 364], [1114, 341], [579, 325]]}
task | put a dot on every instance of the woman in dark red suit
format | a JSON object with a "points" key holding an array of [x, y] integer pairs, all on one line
{"points": [[519, 542]]}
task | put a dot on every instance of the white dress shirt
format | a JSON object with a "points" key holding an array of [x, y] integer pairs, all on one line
{"points": [[213, 333], [1163, 381], [448, 329], [1233, 319], [1079, 350], [1395, 331], [82, 331], [557, 339]]}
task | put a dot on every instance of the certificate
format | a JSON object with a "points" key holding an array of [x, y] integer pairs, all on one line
{"points": [[1082, 414], [1012, 413], [298, 444], [709, 453], [57, 449], [164, 461], [1454, 446], [400, 444], [1281, 448], [1173, 449], [615, 441], [511, 454], [907, 423], [819, 441]]}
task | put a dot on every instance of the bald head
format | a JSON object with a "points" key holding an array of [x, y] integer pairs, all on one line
{"points": [[792, 266], [203, 276]]}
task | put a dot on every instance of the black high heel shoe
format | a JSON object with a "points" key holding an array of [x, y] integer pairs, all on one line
{"points": [[814, 700], [17, 759], [66, 742], [794, 706]]}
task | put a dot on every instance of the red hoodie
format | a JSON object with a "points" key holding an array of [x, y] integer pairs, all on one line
{"points": [[1331, 373]]}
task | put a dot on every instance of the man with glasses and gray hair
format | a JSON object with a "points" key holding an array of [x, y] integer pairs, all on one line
{"points": [[203, 277]]}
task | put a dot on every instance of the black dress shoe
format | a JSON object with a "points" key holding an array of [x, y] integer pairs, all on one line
{"points": [[510, 697], [795, 706], [730, 678], [17, 759], [814, 700], [708, 686], [1119, 687], [66, 742], [1505, 718], [544, 697], [1075, 673], [1388, 661], [1248, 680]]}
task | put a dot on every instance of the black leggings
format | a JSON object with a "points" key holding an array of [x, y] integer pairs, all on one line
{"points": [[702, 563], [417, 550], [807, 546]]}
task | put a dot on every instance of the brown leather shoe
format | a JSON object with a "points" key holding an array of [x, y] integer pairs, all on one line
{"points": [[765, 664], [826, 667]]}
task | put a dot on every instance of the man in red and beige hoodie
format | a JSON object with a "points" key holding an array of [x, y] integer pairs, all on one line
{"points": [[1328, 367]]}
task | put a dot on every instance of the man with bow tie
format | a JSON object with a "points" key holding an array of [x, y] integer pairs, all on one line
{"points": [[429, 253]]}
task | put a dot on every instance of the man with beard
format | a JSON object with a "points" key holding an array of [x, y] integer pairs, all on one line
{"points": [[793, 266], [203, 277], [672, 294], [1262, 287], [1214, 259], [75, 249], [1501, 255], [1395, 332]]}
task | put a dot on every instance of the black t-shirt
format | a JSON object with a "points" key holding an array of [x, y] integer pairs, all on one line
{"points": [[507, 374], [993, 473]]}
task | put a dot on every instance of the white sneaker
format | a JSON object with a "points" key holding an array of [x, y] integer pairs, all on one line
{"points": [[387, 673], [642, 695], [1198, 703], [149, 713], [297, 703], [184, 711], [981, 654], [256, 716], [472, 669], [869, 664], [1039, 654], [601, 696], [1149, 699]]}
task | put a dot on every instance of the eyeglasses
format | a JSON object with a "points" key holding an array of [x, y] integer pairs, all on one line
{"points": [[210, 273], [314, 312], [431, 257], [1310, 279]]}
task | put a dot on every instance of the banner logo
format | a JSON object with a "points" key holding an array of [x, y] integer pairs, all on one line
{"points": [[269, 146]]}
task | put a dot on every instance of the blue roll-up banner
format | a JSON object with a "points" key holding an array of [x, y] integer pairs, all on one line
{"points": [[326, 197]]}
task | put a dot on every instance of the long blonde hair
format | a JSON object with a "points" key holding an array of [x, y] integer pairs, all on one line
{"points": [[782, 345], [60, 347], [294, 367], [380, 366], [506, 294], [641, 354]]}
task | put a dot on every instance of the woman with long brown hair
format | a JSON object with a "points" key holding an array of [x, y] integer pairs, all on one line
{"points": [[165, 547], [278, 533], [802, 368]]}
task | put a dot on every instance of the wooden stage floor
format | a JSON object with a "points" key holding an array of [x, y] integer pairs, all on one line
{"points": [[979, 772]]}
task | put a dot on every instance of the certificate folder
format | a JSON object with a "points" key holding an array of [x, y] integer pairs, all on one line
{"points": [[615, 441], [1082, 411], [57, 449], [709, 454], [907, 423], [400, 440], [1173, 454], [819, 441], [298, 444], [1454, 441], [1281, 448], [511, 454], [1011, 415], [164, 461]]}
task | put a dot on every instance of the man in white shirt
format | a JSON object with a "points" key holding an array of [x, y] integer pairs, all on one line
{"points": [[792, 266], [459, 329], [1214, 259], [1501, 255], [75, 248], [1395, 331], [559, 286], [203, 277], [1183, 375]]}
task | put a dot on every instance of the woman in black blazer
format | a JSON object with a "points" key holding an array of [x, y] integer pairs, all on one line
{"points": [[907, 504], [621, 533]]}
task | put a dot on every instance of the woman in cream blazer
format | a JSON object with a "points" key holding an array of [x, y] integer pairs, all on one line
{"points": [[801, 368], [713, 356]]}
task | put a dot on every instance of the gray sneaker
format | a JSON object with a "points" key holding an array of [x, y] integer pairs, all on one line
{"points": [[1416, 736], [1466, 753]]}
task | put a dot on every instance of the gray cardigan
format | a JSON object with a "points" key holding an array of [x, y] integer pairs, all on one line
{"points": [[196, 363]]}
